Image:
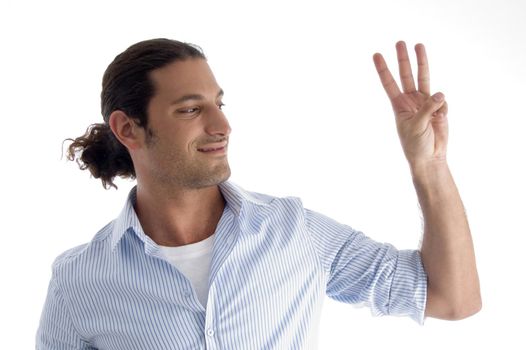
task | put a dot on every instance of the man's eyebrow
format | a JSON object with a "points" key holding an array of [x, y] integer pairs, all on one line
{"points": [[195, 97]]}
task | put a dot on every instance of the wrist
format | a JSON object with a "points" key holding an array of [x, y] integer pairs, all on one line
{"points": [[428, 169], [428, 172]]}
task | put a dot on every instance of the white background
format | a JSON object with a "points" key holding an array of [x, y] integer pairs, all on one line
{"points": [[310, 119]]}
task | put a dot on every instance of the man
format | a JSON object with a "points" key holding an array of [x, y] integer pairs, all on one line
{"points": [[194, 261]]}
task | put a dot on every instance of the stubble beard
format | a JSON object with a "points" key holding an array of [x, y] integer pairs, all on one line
{"points": [[192, 173], [176, 170], [197, 177]]}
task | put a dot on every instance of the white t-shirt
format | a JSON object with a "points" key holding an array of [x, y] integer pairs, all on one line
{"points": [[193, 260]]}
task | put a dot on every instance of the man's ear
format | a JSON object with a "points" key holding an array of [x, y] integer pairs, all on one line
{"points": [[125, 130]]}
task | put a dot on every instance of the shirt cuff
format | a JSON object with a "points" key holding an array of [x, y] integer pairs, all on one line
{"points": [[409, 289]]}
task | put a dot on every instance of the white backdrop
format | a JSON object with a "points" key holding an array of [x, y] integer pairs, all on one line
{"points": [[309, 119]]}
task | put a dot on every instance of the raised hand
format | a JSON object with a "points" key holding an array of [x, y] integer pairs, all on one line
{"points": [[421, 119]]}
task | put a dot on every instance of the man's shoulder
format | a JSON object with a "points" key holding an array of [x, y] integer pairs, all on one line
{"points": [[275, 205], [84, 251], [263, 198], [257, 197]]}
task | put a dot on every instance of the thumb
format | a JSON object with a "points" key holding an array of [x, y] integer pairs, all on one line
{"points": [[430, 106]]}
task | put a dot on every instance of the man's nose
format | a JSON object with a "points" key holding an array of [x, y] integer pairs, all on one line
{"points": [[217, 123]]}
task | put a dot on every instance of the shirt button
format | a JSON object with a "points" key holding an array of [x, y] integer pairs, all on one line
{"points": [[187, 293], [210, 332]]}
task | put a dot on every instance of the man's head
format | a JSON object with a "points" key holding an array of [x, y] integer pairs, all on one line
{"points": [[145, 134]]}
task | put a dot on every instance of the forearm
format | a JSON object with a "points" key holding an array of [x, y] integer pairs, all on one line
{"points": [[447, 249]]}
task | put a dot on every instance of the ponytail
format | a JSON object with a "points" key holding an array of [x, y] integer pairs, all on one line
{"points": [[102, 154]]}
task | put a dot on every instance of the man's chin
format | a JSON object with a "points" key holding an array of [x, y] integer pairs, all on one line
{"points": [[224, 177], [213, 179]]}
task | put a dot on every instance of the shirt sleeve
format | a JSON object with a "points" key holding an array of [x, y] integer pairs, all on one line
{"points": [[56, 330], [368, 273]]}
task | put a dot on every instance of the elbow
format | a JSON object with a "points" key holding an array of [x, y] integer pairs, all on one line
{"points": [[453, 309], [465, 310]]}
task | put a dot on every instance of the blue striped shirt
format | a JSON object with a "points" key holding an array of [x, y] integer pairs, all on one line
{"points": [[273, 263]]}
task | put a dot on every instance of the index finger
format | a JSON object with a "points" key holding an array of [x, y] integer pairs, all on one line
{"points": [[388, 82]]}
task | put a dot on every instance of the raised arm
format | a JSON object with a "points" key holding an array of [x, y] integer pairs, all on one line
{"points": [[447, 249]]}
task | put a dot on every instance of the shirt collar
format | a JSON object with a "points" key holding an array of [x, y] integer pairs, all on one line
{"points": [[235, 196], [126, 220]]}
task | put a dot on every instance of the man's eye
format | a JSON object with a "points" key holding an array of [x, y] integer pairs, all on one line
{"points": [[188, 110], [221, 105]]}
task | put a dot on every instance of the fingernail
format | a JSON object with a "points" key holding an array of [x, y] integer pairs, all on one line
{"points": [[438, 96]]}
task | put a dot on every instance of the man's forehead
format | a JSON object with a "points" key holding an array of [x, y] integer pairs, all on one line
{"points": [[194, 96], [185, 77]]}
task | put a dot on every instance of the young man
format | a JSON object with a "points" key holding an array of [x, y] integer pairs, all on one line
{"points": [[194, 261]]}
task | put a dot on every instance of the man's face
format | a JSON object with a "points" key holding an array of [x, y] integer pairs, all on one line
{"points": [[187, 123]]}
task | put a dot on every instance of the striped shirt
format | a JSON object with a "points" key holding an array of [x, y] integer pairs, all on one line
{"points": [[273, 263]]}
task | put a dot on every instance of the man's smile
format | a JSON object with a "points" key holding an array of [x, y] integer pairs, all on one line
{"points": [[214, 147]]}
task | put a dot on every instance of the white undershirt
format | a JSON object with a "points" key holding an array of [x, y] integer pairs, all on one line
{"points": [[193, 260]]}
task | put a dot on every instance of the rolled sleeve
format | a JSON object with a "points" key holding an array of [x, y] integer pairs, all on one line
{"points": [[409, 287], [364, 272]]}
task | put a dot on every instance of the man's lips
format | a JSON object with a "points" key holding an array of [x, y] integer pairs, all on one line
{"points": [[213, 147]]}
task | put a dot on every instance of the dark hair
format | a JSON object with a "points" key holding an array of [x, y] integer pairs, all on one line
{"points": [[126, 86]]}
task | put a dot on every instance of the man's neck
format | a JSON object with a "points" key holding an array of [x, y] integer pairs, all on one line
{"points": [[179, 217]]}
